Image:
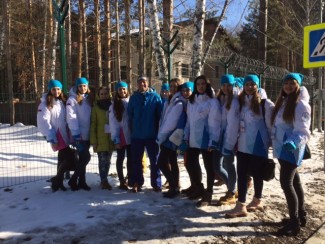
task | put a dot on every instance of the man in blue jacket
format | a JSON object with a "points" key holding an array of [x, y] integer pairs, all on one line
{"points": [[144, 111]]}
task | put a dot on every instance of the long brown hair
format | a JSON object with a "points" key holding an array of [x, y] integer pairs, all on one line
{"points": [[290, 106], [50, 99], [208, 90], [229, 98], [255, 103], [80, 97], [118, 107]]}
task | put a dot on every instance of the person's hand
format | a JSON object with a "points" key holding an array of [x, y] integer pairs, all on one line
{"points": [[289, 146]]}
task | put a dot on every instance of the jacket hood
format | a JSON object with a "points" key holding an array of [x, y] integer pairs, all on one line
{"points": [[73, 92], [304, 95], [178, 97], [262, 93]]}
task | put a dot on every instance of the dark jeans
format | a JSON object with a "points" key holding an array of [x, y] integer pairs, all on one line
{"points": [[292, 188], [120, 159], [194, 168], [104, 163], [84, 158], [137, 150], [167, 162], [248, 164]]}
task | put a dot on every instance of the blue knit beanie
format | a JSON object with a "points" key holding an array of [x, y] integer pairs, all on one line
{"points": [[228, 79], [188, 85], [239, 81], [165, 87], [253, 78], [295, 76], [81, 81], [121, 84], [54, 83]]}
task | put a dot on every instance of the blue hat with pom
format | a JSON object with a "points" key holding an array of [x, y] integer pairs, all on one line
{"points": [[188, 85], [165, 87], [295, 76], [228, 79], [253, 78], [121, 84], [81, 81], [239, 81], [54, 83]]}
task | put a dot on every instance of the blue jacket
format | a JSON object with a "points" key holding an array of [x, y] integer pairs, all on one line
{"points": [[297, 132], [144, 114]]}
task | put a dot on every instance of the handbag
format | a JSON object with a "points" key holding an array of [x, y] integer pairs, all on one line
{"points": [[307, 153], [269, 169]]}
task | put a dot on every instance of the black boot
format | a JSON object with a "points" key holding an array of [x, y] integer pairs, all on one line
{"points": [[291, 229], [197, 192], [55, 185], [205, 201], [82, 183], [73, 183], [303, 218], [171, 193]]}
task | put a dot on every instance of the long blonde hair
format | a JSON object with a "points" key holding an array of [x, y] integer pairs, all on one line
{"points": [[290, 106], [229, 98]]}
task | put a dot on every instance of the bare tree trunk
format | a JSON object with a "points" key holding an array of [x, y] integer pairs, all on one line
{"points": [[107, 43], [7, 24], [168, 18], [98, 44], [80, 43], [128, 42], [54, 37], [68, 44], [142, 34], [117, 46], [262, 39], [42, 88], [32, 47], [198, 37], [84, 34], [209, 45], [157, 42]]}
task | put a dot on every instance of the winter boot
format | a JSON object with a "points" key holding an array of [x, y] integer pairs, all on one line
{"points": [[105, 185], [188, 190], [55, 185], [291, 229], [239, 211], [197, 192], [255, 204], [171, 193], [205, 201], [227, 199], [82, 183], [136, 188], [123, 185], [303, 218], [73, 183]]}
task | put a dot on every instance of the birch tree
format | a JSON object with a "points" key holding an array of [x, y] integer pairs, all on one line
{"points": [[117, 45], [98, 44], [198, 38], [157, 42], [54, 37], [209, 45], [84, 37], [43, 76], [127, 6], [107, 41], [142, 34]]}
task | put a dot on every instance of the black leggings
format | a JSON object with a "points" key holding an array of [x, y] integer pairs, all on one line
{"points": [[292, 188], [167, 162]]}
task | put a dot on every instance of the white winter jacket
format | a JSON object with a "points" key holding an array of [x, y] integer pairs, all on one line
{"points": [[78, 116], [202, 128], [298, 131], [119, 128], [51, 122]]}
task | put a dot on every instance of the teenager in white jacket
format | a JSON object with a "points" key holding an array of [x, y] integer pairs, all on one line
{"points": [[51, 122], [224, 159], [290, 133], [201, 132], [120, 131], [78, 119]]}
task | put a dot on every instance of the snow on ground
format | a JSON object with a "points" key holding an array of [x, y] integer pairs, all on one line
{"points": [[32, 213]]}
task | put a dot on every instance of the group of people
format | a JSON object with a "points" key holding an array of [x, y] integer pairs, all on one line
{"points": [[237, 122]]}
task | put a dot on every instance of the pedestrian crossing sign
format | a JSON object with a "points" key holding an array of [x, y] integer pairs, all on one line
{"points": [[314, 46]]}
